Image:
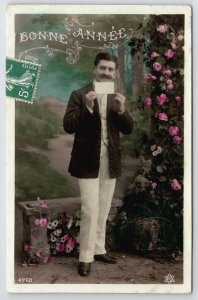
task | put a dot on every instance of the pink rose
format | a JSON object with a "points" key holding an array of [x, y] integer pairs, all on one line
{"points": [[157, 66], [178, 98], [175, 185], [168, 73], [154, 55], [170, 87], [154, 185], [177, 140], [174, 130], [169, 53], [174, 46], [162, 28], [43, 222], [46, 259], [149, 78], [169, 81], [147, 102], [162, 99], [163, 117]]}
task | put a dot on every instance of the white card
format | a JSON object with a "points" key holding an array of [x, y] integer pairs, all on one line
{"points": [[104, 87]]}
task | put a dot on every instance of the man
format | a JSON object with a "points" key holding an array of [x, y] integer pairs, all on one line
{"points": [[96, 120]]}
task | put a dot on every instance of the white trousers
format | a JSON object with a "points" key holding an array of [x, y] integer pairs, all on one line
{"points": [[96, 197]]}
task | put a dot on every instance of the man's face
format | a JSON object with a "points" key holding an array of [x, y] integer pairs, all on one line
{"points": [[105, 71]]}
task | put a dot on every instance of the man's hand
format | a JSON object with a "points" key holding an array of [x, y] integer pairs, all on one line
{"points": [[90, 99], [120, 99]]}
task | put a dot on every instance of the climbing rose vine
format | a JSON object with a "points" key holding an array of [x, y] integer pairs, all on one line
{"points": [[165, 65]]}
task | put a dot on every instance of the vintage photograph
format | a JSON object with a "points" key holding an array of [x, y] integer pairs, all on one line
{"points": [[99, 146]]}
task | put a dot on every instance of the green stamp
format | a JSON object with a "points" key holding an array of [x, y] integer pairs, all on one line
{"points": [[21, 79]]}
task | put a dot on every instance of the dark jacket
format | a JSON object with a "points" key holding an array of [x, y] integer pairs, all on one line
{"points": [[85, 155]]}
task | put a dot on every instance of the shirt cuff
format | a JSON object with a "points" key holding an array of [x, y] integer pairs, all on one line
{"points": [[122, 112], [90, 110]]}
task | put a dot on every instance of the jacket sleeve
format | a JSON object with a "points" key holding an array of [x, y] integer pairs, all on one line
{"points": [[124, 122], [76, 114]]}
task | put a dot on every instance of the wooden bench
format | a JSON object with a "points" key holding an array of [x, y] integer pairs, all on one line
{"points": [[36, 236]]}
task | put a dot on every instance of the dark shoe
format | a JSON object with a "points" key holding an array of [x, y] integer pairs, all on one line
{"points": [[84, 268], [106, 258]]}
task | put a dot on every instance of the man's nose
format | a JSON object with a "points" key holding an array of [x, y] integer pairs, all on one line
{"points": [[106, 72]]}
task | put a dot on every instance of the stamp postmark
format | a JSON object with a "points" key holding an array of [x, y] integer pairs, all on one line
{"points": [[21, 79]]}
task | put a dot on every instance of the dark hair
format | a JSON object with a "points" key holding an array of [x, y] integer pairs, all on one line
{"points": [[105, 56]]}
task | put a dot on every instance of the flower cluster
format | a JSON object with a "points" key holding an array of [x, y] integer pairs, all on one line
{"points": [[34, 257], [63, 234]]}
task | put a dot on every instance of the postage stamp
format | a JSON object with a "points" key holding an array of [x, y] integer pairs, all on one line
{"points": [[21, 79], [99, 168]]}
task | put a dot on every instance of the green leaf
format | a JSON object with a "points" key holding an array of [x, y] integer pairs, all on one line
{"points": [[162, 179], [159, 169]]}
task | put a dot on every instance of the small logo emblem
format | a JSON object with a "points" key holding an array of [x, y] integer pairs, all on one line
{"points": [[169, 278]]}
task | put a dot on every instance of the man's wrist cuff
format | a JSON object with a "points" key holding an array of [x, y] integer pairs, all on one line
{"points": [[122, 111]]}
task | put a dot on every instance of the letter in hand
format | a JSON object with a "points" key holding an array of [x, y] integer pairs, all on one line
{"points": [[90, 97], [120, 99]]}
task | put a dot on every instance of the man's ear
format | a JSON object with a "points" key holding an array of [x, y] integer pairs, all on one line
{"points": [[94, 70]]}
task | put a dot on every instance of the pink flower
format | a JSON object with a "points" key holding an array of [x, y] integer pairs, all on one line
{"points": [[154, 55], [27, 248], [175, 185], [163, 117], [60, 247], [43, 222], [169, 53], [147, 102], [168, 73], [178, 99], [154, 185], [46, 259], [66, 237], [177, 140], [162, 28], [170, 87], [150, 78], [157, 66], [162, 99], [174, 130], [71, 243], [169, 81], [174, 46], [42, 203], [39, 253], [37, 222], [153, 195]]}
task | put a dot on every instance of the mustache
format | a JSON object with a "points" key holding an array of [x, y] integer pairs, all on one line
{"points": [[105, 76]]}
